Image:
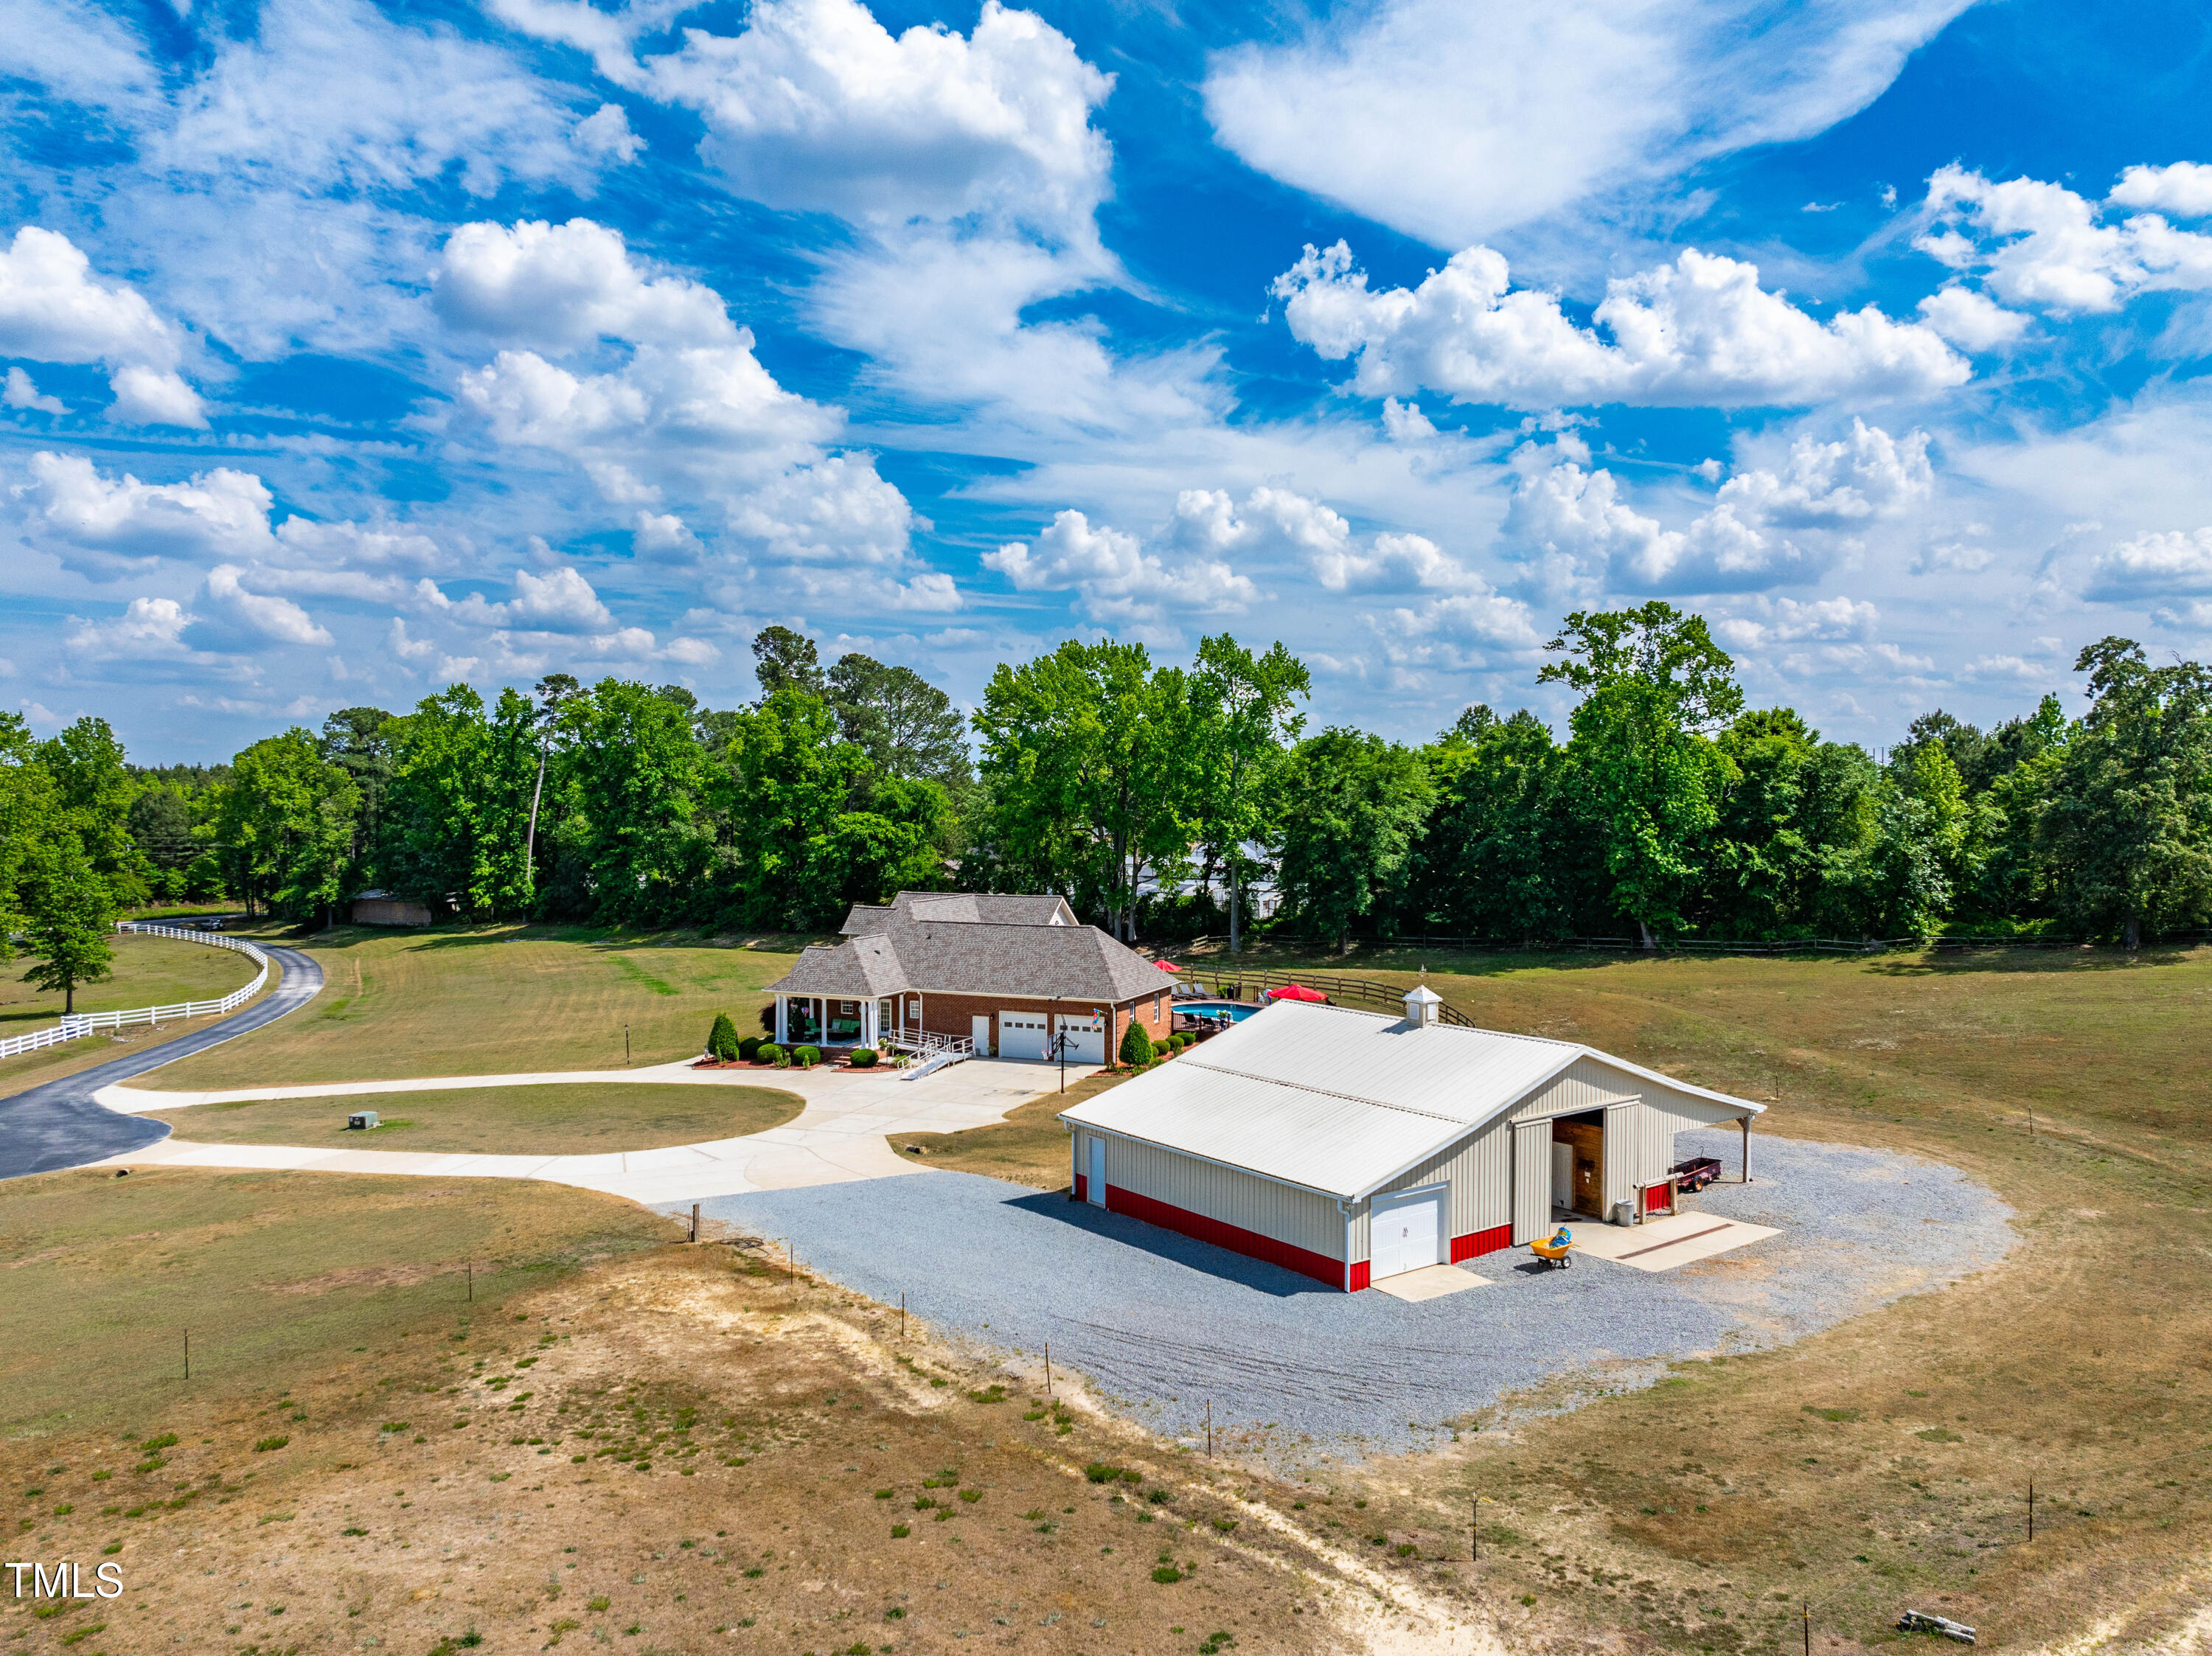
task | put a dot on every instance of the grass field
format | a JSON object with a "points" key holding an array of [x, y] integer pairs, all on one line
{"points": [[569, 1119], [226, 967], [272, 1273], [149, 971], [1885, 1464], [676, 1450], [493, 1000]]}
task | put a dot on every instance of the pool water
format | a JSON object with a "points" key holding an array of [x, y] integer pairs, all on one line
{"points": [[1237, 1010]]}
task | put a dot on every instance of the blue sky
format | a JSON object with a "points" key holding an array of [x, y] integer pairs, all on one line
{"points": [[351, 349]]}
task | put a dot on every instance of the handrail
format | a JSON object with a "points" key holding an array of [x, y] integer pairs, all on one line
{"points": [[78, 1025], [1331, 984]]}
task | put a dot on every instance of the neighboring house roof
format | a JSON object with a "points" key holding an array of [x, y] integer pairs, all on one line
{"points": [[1341, 1101], [960, 908], [1037, 960]]}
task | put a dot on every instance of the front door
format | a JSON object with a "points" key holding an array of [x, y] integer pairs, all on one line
{"points": [[981, 1027], [1403, 1233], [1094, 1188]]}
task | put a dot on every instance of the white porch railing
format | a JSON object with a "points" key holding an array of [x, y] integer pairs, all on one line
{"points": [[935, 1051], [80, 1024]]}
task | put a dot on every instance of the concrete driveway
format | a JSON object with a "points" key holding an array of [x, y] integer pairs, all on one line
{"points": [[838, 1137]]}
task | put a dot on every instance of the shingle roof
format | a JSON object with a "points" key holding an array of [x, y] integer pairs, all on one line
{"points": [[960, 908], [976, 957], [1338, 1100]]}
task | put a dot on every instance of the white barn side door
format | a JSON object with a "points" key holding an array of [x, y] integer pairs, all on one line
{"points": [[1405, 1233], [1532, 1180], [1094, 1189], [1620, 1157]]}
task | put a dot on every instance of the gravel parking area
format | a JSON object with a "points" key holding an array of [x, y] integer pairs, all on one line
{"points": [[1160, 1324]]}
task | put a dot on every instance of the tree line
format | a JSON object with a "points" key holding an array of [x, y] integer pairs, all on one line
{"points": [[1157, 798]]}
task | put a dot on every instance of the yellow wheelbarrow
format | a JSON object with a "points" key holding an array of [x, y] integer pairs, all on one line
{"points": [[1553, 1253]]}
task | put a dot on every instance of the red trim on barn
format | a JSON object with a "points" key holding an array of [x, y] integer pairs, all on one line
{"points": [[1356, 1276], [1476, 1243], [1082, 1191], [1249, 1243], [1660, 1197]]}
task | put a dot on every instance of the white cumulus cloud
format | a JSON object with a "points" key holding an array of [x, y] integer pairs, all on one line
{"points": [[2167, 563], [105, 527], [817, 107], [1114, 578], [1698, 332], [2039, 246], [1764, 529], [53, 309], [2184, 189], [21, 393], [561, 287]]}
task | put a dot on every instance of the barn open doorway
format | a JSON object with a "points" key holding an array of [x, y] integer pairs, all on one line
{"points": [[1578, 1164]]}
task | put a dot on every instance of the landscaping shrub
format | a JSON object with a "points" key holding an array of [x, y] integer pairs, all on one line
{"points": [[1136, 1046], [768, 1052], [807, 1056], [767, 1019], [722, 1042], [863, 1058], [749, 1048]]}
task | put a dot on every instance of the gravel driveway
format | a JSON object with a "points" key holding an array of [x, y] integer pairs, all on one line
{"points": [[1160, 1324]]}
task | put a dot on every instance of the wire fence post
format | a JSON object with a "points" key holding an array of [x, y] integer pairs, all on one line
{"points": [[694, 1221], [1474, 1527], [1209, 1429], [472, 1269], [2031, 1509], [901, 1315], [1047, 1369], [625, 1044], [188, 1354], [1808, 1628]]}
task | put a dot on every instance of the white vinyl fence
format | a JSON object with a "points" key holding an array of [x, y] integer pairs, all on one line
{"points": [[84, 1024]]}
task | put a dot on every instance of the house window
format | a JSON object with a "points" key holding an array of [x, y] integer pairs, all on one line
{"points": [[849, 1008]]}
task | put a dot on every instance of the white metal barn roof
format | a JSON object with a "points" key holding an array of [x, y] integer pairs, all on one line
{"points": [[1338, 1100]]}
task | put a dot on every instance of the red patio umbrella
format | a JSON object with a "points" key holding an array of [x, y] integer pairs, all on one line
{"points": [[1296, 991], [1167, 966]]}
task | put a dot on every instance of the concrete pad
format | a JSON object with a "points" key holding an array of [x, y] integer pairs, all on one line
{"points": [[1662, 1244], [1429, 1282]]}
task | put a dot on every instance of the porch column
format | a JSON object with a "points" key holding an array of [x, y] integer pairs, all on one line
{"points": [[1744, 1122], [783, 1020], [868, 1022]]}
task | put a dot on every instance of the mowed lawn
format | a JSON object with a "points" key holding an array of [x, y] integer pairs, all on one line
{"points": [[1812, 1471], [271, 1273], [149, 971], [493, 1000], [568, 1119]]}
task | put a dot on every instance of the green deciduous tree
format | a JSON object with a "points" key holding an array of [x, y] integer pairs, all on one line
{"points": [[1349, 805], [68, 920], [1244, 711], [1653, 683], [1495, 857], [284, 822], [1090, 756], [2128, 826]]}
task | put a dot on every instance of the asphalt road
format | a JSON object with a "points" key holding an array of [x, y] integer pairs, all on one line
{"points": [[57, 1126]]}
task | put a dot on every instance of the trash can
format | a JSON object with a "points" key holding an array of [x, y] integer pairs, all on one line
{"points": [[1624, 1213]]}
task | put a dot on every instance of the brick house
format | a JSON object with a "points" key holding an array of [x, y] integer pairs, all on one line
{"points": [[1011, 973]]}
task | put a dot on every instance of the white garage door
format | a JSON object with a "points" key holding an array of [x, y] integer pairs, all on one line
{"points": [[1405, 1233], [1086, 1040], [1022, 1034]]}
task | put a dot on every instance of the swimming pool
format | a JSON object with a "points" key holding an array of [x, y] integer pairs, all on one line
{"points": [[1236, 1011]]}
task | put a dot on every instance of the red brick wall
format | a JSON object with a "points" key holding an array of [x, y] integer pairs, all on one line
{"points": [[950, 1014]]}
